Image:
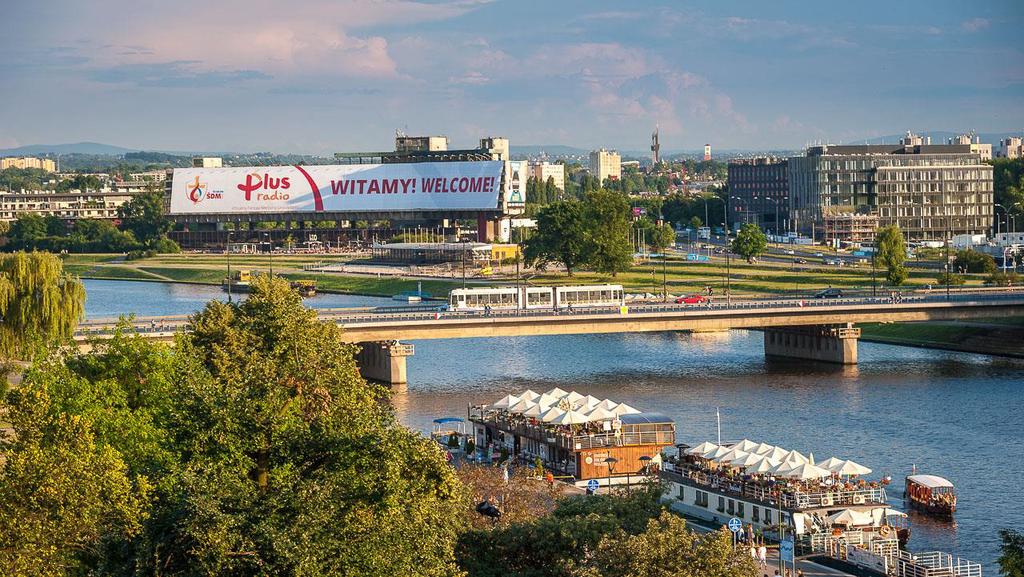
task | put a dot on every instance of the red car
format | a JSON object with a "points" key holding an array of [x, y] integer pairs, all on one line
{"points": [[693, 299]]}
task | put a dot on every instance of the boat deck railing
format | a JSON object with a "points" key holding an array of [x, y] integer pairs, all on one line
{"points": [[791, 498], [580, 441], [935, 564]]}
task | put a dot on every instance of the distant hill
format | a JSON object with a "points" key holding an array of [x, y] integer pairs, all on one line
{"points": [[549, 149], [76, 148]]}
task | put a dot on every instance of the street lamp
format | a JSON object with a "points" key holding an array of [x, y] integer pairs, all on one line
{"points": [[464, 242], [229, 266], [610, 462], [270, 252], [646, 460]]}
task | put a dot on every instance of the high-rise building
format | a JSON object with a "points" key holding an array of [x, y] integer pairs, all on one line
{"points": [[605, 164], [405, 143], [759, 192], [972, 140], [1012, 147], [207, 162], [28, 162], [497, 146], [542, 171], [707, 152], [929, 191]]}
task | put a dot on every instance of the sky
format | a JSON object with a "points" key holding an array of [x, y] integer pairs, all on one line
{"points": [[320, 76]]}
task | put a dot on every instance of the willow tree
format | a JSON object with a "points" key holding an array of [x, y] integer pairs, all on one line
{"points": [[39, 302]]}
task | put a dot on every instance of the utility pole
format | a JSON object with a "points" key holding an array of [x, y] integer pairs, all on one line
{"points": [[463, 263], [229, 267], [874, 280], [664, 275]]}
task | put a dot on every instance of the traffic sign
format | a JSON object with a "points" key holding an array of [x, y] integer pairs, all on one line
{"points": [[735, 525], [786, 550], [592, 485]]}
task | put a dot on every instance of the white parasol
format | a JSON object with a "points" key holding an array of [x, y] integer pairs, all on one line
{"points": [[747, 460], [505, 402], [557, 393], [745, 445], [831, 462], [807, 471], [624, 409], [569, 418], [600, 414], [850, 517], [521, 406], [573, 397], [534, 411], [762, 448], [777, 453], [702, 449], [547, 400], [529, 395], [731, 455], [716, 453], [551, 414], [765, 465], [848, 469]]}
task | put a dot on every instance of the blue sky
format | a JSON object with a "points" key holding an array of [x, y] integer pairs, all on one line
{"points": [[317, 76]]}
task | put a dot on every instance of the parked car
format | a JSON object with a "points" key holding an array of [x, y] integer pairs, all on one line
{"points": [[829, 293], [693, 299], [790, 251], [801, 261]]}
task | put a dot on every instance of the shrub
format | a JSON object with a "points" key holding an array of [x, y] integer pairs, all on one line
{"points": [[1001, 278], [166, 246], [954, 279]]}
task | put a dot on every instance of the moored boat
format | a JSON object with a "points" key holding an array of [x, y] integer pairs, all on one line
{"points": [[930, 494]]}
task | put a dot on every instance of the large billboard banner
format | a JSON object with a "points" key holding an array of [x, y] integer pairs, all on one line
{"points": [[337, 188]]}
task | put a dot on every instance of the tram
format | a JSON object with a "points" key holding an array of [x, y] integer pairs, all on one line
{"points": [[532, 297]]}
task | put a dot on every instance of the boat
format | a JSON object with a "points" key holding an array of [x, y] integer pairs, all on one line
{"points": [[305, 288], [930, 494], [238, 282], [585, 441], [776, 491]]}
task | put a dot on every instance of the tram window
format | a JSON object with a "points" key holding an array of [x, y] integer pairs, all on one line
{"points": [[739, 509], [767, 516], [754, 513]]}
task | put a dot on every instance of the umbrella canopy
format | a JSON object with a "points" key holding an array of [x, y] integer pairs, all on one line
{"points": [[702, 449], [588, 402], [557, 393], [849, 468], [569, 418], [717, 452], [850, 517], [731, 455], [765, 465], [831, 462], [783, 467], [777, 453], [529, 395], [573, 397], [807, 471], [521, 406], [762, 448], [505, 402], [535, 411], [551, 414], [546, 400], [624, 409], [608, 404], [600, 414], [745, 445], [797, 456], [747, 460]]}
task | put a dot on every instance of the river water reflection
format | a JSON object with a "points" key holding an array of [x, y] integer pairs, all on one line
{"points": [[956, 415]]}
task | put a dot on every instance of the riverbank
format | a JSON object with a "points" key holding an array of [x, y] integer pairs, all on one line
{"points": [[1000, 337]]}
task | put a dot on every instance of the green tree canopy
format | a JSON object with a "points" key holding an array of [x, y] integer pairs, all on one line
{"points": [[560, 236], [27, 232], [1011, 558], [973, 261], [696, 223], [39, 302], [891, 253], [750, 242], [606, 216], [144, 216]]}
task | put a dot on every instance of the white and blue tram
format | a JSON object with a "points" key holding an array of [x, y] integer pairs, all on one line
{"points": [[533, 297]]}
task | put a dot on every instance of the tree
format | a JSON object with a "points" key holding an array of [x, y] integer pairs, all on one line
{"points": [[696, 223], [662, 237], [606, 216], [62, 494], [27, 232], [1011, 559], [667, 547], [291, 463], [560, 237], [974, 262], [144, 216], [891, 253], [750, 242], [39, 302]]}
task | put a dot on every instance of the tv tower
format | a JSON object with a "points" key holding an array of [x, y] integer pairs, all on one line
{"points": [[655, 146]]}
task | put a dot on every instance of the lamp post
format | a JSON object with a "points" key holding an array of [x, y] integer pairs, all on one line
{"points": [[874, 278], [646, 460], [463, 241], [270, 252], [610, 462], [229, 266]]}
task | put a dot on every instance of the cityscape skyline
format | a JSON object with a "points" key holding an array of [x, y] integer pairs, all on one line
{"points": [[583, 75]]}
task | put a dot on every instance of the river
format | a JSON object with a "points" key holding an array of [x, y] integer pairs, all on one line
{"points": [[952, 414]]}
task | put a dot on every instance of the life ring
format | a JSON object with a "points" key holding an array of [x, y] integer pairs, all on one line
{"points": [[885, 531], [837, 532]]}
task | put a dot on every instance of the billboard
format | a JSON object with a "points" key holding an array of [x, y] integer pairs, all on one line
{"points": [[337, 188], [517, 183]]}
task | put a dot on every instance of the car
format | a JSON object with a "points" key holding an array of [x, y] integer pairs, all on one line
{"points": [[801, 261], [693, 299], [790, 251], [818, 254], [829, 293]]}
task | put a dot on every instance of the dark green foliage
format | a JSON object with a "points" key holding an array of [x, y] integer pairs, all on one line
{"points": [[1011, 558], [891, 253], [144, 216], [973, 261], [560, 237], [750, 242], [606, 217]]}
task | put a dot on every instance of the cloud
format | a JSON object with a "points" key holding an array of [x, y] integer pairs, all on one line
{"points": [[180, 74], [975, 24]]}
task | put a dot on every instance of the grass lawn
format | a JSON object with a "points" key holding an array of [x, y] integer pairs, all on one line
{"points": [[118, 272], [923, 333], [208, 276]]}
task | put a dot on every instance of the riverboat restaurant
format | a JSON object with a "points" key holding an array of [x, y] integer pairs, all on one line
{"points": [[579, 436]]}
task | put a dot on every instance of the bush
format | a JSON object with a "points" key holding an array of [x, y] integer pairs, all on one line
{"points": [[166, 246], [140, 254], [954, 279], [1000, 278], [974, 261]]}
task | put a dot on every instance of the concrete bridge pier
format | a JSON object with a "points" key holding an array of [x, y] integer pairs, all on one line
{"points": [[384, 361], [823, 343]]}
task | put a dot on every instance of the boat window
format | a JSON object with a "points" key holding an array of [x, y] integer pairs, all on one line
{"points": [[755, 513], [732, 506], [767, 516], [682, 494], [721, 504], [739, 509]]}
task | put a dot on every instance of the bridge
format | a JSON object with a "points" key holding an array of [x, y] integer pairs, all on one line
{"points": [[815, 329]]}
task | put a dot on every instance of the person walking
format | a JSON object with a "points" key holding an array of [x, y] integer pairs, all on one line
{"points": [[762, 555]]}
